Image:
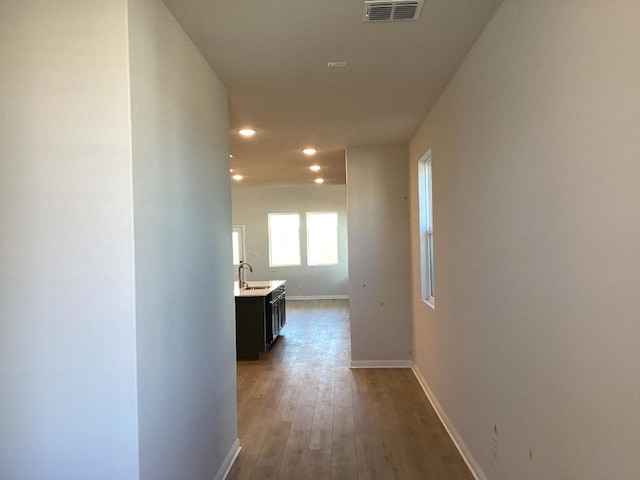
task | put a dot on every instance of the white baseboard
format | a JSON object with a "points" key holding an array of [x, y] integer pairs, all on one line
{"points": [[225, 468], [380, 364], [318, 297], [475, 469]]}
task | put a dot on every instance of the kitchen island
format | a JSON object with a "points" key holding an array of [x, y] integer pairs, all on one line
{"points": [[260, 315]]}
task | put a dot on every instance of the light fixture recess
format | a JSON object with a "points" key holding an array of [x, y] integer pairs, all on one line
{"points": [[237, 178], [319, 180], [247, 132], [314, 168], [309, 151]]}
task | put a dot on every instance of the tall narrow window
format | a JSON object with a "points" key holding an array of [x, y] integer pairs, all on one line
{"points": [[322, 239], [284, 239], [237, 242], [425, 197]]}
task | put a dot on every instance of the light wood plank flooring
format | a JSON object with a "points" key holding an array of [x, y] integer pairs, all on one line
{"points": [[303, 414]]}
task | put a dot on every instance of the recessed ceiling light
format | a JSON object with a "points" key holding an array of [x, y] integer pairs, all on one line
{"points": [[247, 132], [230, 156], [319, 180], [231, 170], [237, 177], [314, 168], [309, 151]]}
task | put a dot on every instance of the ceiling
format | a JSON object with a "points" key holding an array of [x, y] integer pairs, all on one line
{"points": [[272, 56]]}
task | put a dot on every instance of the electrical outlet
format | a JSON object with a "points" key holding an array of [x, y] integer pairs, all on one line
{"points": [[494, 439]]}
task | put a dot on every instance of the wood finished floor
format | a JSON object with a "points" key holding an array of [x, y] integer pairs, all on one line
{"points": [[303, 414]]}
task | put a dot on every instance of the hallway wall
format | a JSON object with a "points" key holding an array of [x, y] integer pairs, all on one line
{"points": [[379, 269], [67, 320], [185, 312], [117, 356], [535, 151]]}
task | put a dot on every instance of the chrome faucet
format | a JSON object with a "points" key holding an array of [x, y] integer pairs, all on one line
{"points": [[241, 268]]}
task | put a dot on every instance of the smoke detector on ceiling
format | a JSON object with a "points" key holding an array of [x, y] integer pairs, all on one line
{"points": [[388, 11]]}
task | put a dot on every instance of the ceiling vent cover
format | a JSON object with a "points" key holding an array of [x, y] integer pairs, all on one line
{"points": [[387, 11]]}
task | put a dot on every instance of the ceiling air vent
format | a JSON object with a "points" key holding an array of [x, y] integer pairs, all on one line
{"points": [[386, 11]]}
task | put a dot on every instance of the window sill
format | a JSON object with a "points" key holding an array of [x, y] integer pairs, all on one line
{"points": [[431, 302]]}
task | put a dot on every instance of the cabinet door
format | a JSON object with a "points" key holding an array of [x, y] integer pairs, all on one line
{"points": [[279, 314], [275, 306], [268, 320], [283, 310]]}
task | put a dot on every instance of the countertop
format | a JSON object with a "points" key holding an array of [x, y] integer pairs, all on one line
{"points": [[269, 286]]}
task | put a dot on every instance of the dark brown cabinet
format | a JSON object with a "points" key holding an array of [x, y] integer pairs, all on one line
{"points": [[259, 320], [276, 314]]}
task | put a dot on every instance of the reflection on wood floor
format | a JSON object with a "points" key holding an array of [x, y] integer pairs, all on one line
{"points": [[303, 414]]}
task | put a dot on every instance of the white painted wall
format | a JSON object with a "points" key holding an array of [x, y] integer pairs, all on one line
{"points": [[379, 269], [111, 371], [537, 238], [251, 206], [184, 282], [67, 324]]}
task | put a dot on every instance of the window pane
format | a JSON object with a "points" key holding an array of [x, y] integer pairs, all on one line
{"points": [[237, 239], [431, 292], [236, 247], [322, 238], [284, 239], [426, 228]]}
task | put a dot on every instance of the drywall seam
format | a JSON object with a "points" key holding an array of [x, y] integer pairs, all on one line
{"points": [[475, 469]]}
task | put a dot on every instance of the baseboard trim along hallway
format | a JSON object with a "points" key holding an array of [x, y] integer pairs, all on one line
{"points": [[475, 469], [225, 468], [381, 364], [318, 297]]}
